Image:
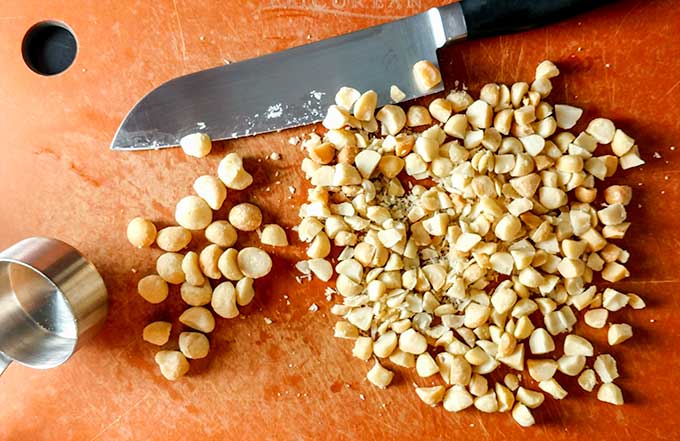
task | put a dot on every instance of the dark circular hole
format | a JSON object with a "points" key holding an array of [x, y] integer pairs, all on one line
{"points": [[49, 48]]}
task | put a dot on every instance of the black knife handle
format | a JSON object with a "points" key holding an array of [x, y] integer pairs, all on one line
{"points": [[487, 18]]}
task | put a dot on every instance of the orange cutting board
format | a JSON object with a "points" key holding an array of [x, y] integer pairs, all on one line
{"points": [[291, 379]]}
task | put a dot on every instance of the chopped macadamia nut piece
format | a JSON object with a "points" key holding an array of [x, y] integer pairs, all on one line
{"points": [[610, 393], [487, 403], [621, 143], [393, 119], [363, 348], [605, 366], [596, 318], [522, 415], [441, 109], [396, 94], [530, 398], [567, 116], [346, 97], [173, 364], [412, 342], [553, 388], [457, 398], [418, 116], [541, 342], [631, 159], [571, 365], [426, 74], [613, 272], [613, 300], [547, 69], [636, 302], [426, 366], [431, 395], [577, 345], [587, 380], [380, 376], [602, 130], [618, 194], [618, 333], [541, 370], [364, 107], [336, 118], [479, 114]]}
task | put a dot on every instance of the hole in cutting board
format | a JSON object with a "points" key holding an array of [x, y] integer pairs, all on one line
{"points": [[49, 48]]}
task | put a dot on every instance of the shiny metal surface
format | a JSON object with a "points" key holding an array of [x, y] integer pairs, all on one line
{"points": [[51, 301], [289, 88]]}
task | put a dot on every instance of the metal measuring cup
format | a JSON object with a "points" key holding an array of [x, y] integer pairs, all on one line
{"points": [[51, 301]]}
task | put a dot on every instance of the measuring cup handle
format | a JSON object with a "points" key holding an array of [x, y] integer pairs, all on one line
{"points": [[4, 362]]}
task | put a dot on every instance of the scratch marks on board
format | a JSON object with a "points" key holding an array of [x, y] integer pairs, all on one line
{"points": [[673, 87], [183, 46], [121, 416], [320, 10]]}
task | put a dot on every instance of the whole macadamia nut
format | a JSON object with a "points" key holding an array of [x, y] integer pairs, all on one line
{"points": [[141, 232], [245, 216], [193, 213]]}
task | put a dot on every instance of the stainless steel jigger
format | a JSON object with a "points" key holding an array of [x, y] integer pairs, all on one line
{"points": [[51, 301]]}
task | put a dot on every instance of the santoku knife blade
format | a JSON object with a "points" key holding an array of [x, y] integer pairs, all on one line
{"points": [[294, 87]]}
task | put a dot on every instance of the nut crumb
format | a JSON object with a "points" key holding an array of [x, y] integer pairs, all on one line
{"points": [[268, 321], [656, 155], [313, 307], [275, 156], [294, 140]]}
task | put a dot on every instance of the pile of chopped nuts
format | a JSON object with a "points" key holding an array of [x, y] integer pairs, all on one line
{"points": [[471, 238], [197, 271]]}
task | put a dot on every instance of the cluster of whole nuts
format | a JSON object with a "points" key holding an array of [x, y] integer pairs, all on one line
{"points": [[219, 275]]}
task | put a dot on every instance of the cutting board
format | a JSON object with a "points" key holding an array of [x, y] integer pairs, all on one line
{"points": [[291, 379]]}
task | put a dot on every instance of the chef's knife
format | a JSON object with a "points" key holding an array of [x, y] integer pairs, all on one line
{"points": [[294, 87]]}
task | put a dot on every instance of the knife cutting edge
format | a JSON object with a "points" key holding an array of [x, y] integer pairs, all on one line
{"points": [[293, 87]]}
